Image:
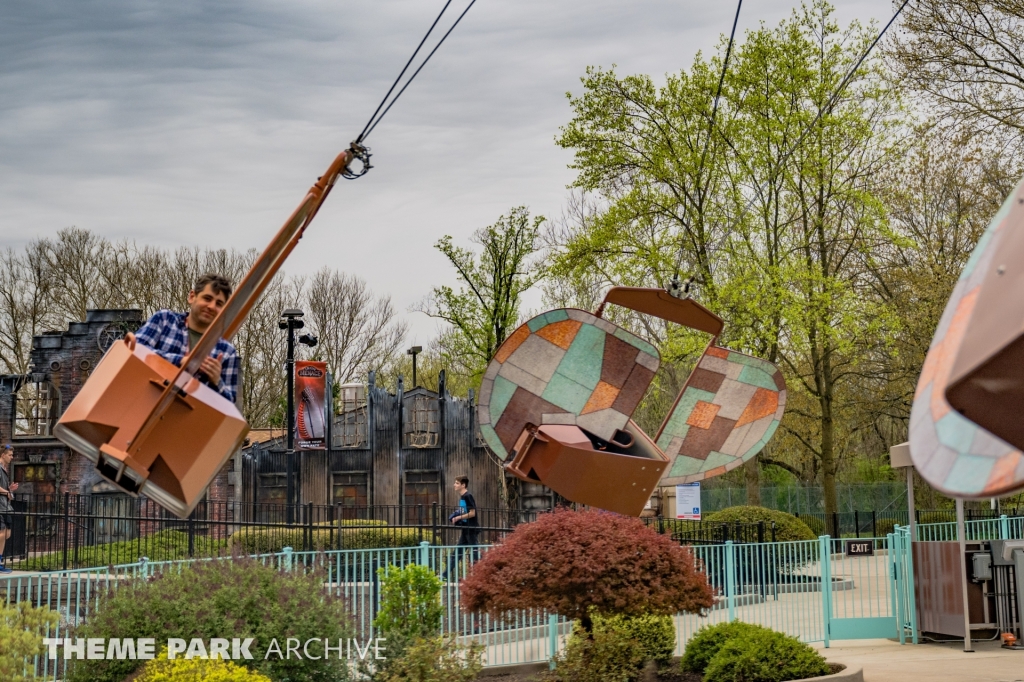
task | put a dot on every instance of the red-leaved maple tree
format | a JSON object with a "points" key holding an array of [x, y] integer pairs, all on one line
{"points": [[573, 562]]}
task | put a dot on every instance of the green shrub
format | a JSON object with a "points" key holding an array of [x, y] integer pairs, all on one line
{"points": [[816, 525], [266, 540], [433, 659], [165, 545], [22, 628], [410, 602], [885, 526], [610, 656], [222, 598], [410, 620], [765, 656], [655, 635], [161, 669], [787, 526], [707, 641]]}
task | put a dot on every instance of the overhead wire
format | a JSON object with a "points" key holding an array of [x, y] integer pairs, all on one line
{"points": [[830, 104], [371, 124], [711, 123], [405, 68]]}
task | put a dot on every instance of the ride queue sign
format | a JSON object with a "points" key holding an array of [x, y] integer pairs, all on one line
{"points": [[688, 501]]}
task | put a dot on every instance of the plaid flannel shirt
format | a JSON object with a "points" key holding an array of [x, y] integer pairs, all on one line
{"points": [[167, 334]]}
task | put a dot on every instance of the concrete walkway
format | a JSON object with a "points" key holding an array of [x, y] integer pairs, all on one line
{"points": [[886, 661]]}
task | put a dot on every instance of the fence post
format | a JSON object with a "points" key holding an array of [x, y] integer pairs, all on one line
{"points": [[835, 525], [773, 531], [552, 640], [67, 521], [874, 525], [760, 532], [191, 535], [286, 560], [433, 524], [730, 578], [856, 522], [825, 548], [1004, 527], [309, 526]]}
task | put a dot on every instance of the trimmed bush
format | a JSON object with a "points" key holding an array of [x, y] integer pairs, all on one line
{"points": [[654, 635], [165, 545], [610, 655], [434, 659], [222, 598], [581, 563], [787, 526], [161, 669], [765, 656], [816, 525], [707, 642], [266, 540], [22, 628], [410, 602]]}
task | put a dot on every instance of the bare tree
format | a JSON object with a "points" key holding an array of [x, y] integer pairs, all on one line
{"points": [[26, 308], [968, 55], [357, 330]]}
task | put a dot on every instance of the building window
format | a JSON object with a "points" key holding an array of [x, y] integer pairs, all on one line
{"points": [[350, 423], [351, 491], [41, 477], [422, 490], [272, 489], [38, 408], [421, 422]]}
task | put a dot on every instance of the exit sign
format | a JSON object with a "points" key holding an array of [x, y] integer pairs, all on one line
{"points": [[860, 548]]}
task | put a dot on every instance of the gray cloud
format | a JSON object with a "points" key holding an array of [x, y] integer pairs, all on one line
{"points": [[204, 122]]}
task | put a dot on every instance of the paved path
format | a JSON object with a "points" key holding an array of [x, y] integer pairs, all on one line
{"points": [[887, 661]]}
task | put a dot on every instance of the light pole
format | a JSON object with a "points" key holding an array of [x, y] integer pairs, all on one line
{"points": [[414, 351], [290, 320]]}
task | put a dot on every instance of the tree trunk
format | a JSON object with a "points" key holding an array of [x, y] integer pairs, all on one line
{"points": [[752, 477]]}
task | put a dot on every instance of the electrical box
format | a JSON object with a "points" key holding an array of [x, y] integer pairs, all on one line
{"points": [[982, 564]]}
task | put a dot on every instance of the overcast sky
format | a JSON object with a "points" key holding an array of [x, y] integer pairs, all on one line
{"points": [[190, 122]]}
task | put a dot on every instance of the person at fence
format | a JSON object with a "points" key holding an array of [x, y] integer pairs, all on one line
{"points": [[6, 497], [171, 334], [465, 519]]}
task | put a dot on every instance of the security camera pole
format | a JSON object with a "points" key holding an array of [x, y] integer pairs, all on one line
{"points": [[290, 320], [414, 351]]}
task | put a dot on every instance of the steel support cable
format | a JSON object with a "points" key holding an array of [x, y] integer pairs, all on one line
{"points": [[420, 68], [405, 68], [830, 103], [711, 122]]}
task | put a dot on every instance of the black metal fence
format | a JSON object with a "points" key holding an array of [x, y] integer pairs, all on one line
{"points": [[55, 532], [870, 524]]}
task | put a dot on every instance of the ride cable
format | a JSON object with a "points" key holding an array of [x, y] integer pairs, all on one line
{"points": [[830, 104]]}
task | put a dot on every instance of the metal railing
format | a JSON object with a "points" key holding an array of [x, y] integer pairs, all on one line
{"points": [[62, 532], [800, 588]]}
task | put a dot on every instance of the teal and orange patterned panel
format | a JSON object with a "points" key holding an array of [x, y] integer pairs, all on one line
{"points": [[728, 410], [565, 366], [953, 454]]}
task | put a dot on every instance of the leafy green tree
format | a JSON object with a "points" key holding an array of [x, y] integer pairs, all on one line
{"points": [[773, 221], [22, 628], [486, 307]]}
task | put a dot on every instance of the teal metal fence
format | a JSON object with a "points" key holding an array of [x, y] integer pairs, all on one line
{"points": [[1002, 528], [811, 589]]}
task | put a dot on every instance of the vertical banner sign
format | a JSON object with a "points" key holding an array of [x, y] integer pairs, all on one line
{"points": [[311, 404], [688, 501]]}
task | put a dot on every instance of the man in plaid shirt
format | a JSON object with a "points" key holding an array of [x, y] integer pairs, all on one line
{"points": [[171, 335]]}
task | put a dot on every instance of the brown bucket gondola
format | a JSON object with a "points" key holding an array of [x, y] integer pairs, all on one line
{"points": [[557, 399], [152, 428]]}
